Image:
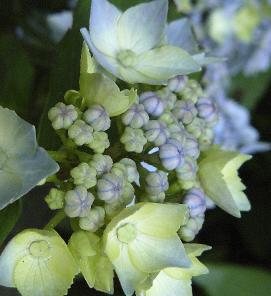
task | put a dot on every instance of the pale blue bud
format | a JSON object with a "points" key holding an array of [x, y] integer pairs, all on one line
{"points": [[94, 219], [172, 154], [131, 169], [191, 146], [100, 142], [156, 182], [109, 188], [177, 83], [185, 111], [196, 202], [177, 132], [153, 104], [188, 232], [168, 97], [78, 202], [206, 139], [81, 133], [133, 140], [62, 116], [207, 110], [136, 116], [98, 118], [188, 172], [84, 175], [102, 163], [156, 132]]}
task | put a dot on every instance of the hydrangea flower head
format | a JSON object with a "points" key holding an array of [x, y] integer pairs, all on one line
{"points": [[129, 44]]}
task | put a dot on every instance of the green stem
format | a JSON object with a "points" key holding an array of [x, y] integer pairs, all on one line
{"points": [[60, 215], [59, 156]]}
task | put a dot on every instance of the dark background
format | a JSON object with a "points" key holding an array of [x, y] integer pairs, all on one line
{"points": [[34, 74]]}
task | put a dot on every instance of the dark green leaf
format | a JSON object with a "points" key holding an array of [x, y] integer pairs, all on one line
{"points": [[65, 74], [231, 280], [8, 219]]}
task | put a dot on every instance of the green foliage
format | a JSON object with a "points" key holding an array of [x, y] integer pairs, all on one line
{"points": [[8, 217], [65, 74], [231, 280]]}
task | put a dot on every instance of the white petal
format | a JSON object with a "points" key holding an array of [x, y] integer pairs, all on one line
{"points": [[141, 27], [103, 21]]}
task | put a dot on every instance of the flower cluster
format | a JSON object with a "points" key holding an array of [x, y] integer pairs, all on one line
{"points": [[137, 165]]}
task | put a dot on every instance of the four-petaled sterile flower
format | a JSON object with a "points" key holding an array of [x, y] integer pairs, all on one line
{"points": [[62, 116], [23, 164], [38, 262], [157, 132], [218, 173], [185, 111], [129, 44], [84, 175], [94, 219], [136, 116], [156, 182], [78, 202], [142, 239], [172, 154], [98, 118], [153, 104], [81, 133], [133, 139], [109, 188], [101, 163]]}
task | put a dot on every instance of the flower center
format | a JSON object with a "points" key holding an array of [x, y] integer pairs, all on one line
{"points": [[126, 233], [39, 248], [127, 58], [3, 158]]}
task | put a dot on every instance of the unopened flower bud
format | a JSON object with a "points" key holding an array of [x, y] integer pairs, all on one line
{"points": [[62, 116], [168, 97], [191, 146], [81, 133], [159, 198], [136, 116], [102, 164], [119, 170], [206, 139], [153, 104], [100, 142], [177, 83], [196, 202], [168, 118], [196, 127], [185, 111], [156, 182], [110, 188], [192, 91], [156, 132], [78, 202], [128, 194], [98, 118], [94, 219], [188, 232], [84, 175], [133, 140], [207, 109], [177, 132], [172, 154], [131, 169], [55, 199], [188, 172]]}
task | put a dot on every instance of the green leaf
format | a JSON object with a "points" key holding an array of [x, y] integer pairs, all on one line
{"points": [[8, 218], [230, 280], [65, 74]]}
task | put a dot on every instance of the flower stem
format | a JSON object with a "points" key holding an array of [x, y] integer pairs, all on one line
{"points": [[60, 215]]}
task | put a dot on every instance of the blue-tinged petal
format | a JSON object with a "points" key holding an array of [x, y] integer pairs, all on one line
{"points": [[141, 27], [106, 61], [166, 62], [179, 34], [103, 23]]}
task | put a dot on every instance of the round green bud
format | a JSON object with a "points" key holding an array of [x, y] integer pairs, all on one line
{"points": [[94, 219], [133, 140], [131, 169], [81, 133], [98, 118], [101, 163], [100, 142], [84, 175], [55, 199]]}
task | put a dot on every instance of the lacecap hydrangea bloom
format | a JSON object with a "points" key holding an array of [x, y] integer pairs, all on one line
{"points": [[138, 166]]}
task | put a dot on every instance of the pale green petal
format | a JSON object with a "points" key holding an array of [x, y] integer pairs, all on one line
{"points": [[141, 27], [103, 26], [130, 277], [161, 220], [151, 254], [165, 62], [104, 276], [87, 63], [196, 249]]}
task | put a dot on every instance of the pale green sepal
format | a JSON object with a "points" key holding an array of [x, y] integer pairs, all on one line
{"points": [[23, 164], [37, 263], [94, 265], [87, 64], [166, 62], [98, 89], [218, 173], [204, 60]]}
